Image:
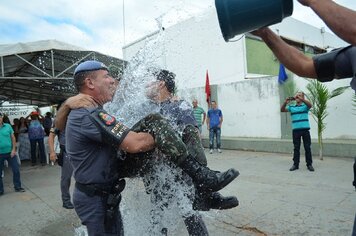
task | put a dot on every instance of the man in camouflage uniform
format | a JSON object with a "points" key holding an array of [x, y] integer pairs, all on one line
{"points": [[180, 116]]}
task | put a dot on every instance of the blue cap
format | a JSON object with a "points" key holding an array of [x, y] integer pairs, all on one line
{"points": [[90, 66]]}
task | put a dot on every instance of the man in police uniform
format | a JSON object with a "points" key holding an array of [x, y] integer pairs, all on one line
{"points": [[93, 139]]}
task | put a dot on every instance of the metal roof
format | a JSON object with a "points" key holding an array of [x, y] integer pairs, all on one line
{"points": [[40, 73]]}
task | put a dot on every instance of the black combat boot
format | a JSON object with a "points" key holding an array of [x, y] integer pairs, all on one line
{"points": [[218, 201], [205, 178], [204, 201]]}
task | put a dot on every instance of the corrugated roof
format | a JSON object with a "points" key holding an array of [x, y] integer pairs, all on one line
{"points": [[40, 73]]}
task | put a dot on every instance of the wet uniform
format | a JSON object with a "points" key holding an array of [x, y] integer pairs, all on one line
{"points": [[180, 116], [94, 164]]}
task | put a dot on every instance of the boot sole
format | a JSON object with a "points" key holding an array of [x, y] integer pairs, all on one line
{"points": [[226, 204]]}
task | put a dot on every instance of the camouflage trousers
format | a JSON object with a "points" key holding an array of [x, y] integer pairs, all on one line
{"points": [[191, 138], [168, 141]]}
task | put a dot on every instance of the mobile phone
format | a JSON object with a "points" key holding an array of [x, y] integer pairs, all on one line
{"points": [[291, 98]]}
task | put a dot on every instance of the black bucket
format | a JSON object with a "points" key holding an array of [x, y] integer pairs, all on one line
{"points": [[241, 16]]}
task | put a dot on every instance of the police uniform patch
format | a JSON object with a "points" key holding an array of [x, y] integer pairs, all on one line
{"points": [[113, 132], [106, 118], [119, 129]]}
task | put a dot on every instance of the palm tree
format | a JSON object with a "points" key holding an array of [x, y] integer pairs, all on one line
{"points": [[319, 96]]}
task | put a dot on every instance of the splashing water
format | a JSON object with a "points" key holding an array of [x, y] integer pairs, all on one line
{"points": [[169, 195]]}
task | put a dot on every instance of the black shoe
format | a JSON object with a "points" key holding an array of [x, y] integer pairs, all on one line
{"points": [[68, 205], [293, 168], [218, 201], [1, 193], [33, 164], [205, 178], [20, 190], [310, 168]]}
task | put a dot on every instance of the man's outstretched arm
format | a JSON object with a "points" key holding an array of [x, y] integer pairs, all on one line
{"points": [[341, 20], [288, 55]]}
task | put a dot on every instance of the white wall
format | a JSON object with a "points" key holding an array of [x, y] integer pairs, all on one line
{"points": [[250, 108], [301, 32]]}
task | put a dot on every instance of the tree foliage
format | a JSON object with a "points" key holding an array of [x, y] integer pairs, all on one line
{"points": [[319, 95]]}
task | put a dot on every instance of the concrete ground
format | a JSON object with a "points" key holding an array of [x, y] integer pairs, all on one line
{"points": [[273, 200]]}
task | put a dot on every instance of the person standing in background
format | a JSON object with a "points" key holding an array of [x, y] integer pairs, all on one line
{"points": [[198, 111], [15, 127], [47, 123], [63, 161], [8, 153], [300, 125], [24, 148], [214, 122], [36, 135]]}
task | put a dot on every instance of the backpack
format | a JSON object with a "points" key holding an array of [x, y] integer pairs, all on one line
{"points": [[35, 130]]}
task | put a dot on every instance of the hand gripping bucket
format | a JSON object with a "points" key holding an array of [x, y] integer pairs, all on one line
{"points": [[241, 16]]}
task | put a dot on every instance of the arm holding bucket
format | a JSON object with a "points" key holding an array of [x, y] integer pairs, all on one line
{"points": [[288, 55], [341, 20]]}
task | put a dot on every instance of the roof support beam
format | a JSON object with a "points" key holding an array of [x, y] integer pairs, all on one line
{"points": [[52, 60], [76, 63], [2, 67], [38, 78], [44, 72]]}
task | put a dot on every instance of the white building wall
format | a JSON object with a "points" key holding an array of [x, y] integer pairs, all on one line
{"points": [[196, 45], [301, 32], [250, 108], [340, 121]]}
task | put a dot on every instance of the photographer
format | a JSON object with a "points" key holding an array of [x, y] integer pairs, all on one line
{"points": [[300, 125]]}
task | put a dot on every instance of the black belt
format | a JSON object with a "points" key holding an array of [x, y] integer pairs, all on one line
{"points": [[94, 189]]}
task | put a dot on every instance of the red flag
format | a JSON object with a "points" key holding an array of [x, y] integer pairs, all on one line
{"points": [[207, 88]]}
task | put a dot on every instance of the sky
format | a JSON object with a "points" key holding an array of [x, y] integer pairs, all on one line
{"points": [[107, 25]]}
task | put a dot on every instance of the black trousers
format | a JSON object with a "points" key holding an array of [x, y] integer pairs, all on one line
{"points": [[298, 135], [354, 183]]}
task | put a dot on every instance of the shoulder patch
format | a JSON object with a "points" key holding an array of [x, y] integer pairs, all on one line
{"points": [[106, 118]]}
